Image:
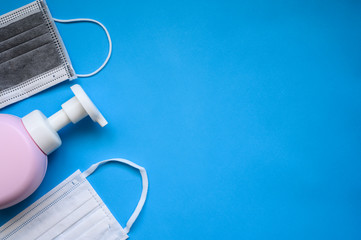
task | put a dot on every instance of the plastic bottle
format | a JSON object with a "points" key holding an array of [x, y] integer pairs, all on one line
{"points": [[25, 144]]}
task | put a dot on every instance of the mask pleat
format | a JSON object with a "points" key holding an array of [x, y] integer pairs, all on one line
{"points": [[37, 61], [29, 219], [100, 230], [23, 37], [25, 48], [93, 219], [70, 220], [61, 208], [21, 26]]}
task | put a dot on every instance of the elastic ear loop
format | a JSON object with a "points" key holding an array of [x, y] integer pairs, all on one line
{"points": [[143, 197], [105, 30]]}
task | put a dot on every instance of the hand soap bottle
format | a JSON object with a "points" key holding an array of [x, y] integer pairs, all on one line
{"points": [[25, 144]]}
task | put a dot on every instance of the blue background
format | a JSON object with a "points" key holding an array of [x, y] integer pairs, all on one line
{"points": [[246, 115]]}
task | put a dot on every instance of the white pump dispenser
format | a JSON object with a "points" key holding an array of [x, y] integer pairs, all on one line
{"points": [[44, 130]]}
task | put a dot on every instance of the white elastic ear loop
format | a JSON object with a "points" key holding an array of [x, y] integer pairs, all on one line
{"points": [[105, 30], [143, 197]]}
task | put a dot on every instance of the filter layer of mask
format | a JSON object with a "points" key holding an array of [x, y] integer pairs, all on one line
{"points": [[32, 54]]}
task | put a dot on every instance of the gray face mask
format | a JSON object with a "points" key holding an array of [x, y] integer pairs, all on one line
{"points": [[32, 54]]}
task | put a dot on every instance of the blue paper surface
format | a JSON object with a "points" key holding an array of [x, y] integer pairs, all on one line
{"points": [[246, 115]]}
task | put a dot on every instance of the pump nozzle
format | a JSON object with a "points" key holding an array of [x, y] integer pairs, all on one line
{"points": [[75, 110], [44, 131]]}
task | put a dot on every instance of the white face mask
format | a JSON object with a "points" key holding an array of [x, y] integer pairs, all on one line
{"points": [[72, 210]]}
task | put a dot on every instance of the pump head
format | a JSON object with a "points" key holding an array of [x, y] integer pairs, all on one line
{"points": [[44, 130]]}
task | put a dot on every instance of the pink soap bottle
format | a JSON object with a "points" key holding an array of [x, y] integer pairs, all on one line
{"points": [[25, 144]]}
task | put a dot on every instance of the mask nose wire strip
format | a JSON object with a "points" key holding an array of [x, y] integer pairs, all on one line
{"points": [[105, 30]]}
